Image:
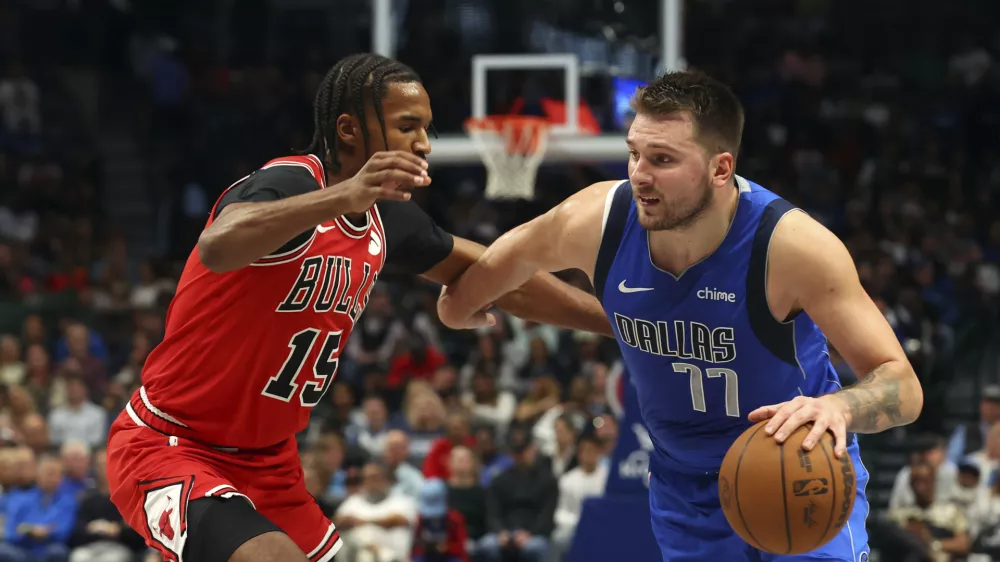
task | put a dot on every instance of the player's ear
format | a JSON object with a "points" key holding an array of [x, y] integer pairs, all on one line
{"points": [[723, 166], [348, 130]]}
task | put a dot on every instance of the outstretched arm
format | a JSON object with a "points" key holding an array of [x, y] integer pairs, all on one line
{"points": [[540, 297], [825, 285], [567, 237]]}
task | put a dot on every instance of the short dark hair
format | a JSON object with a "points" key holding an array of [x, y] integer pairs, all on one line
{"points": [[716, 111], [352, 82]]}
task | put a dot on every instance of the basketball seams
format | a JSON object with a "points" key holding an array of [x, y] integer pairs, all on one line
{"points": [[784, 496], [833, 491], [736, 485]]}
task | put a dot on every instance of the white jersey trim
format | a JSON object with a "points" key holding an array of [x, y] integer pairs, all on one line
{"points": [[608, 200]]}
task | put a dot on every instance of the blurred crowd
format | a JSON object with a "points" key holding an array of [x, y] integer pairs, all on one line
{"points": [[440, 445]]}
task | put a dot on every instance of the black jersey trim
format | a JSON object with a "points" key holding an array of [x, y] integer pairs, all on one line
{"points": [[777, 336], [611, 237]]}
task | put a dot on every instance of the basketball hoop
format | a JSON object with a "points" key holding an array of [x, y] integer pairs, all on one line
{"points": [[512, 148]]}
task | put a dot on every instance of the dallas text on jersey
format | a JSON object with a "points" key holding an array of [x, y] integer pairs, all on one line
{"points": [[681, 339]]}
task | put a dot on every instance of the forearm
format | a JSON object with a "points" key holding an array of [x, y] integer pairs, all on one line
{"points": [[887, 397], [245, 234], [511, 274], [547, 300], [496, 272]]}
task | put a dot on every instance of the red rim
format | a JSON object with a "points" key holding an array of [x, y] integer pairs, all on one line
{"points": [[521, 125]]}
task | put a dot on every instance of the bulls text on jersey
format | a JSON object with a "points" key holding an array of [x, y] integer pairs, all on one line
{"points": [[324, 285], [332, 276]]}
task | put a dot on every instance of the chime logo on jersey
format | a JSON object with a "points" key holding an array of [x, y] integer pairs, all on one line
{"points": [[324, 283], [681, 339]]}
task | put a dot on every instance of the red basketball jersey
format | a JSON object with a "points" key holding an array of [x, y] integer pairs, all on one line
{"points": [[248, 353]]}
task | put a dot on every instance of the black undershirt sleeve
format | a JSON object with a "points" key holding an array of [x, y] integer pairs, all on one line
{"points": [[273, 184], [414, 242]]}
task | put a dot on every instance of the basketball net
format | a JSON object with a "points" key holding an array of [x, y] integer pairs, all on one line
{"points": [[512, 148]]}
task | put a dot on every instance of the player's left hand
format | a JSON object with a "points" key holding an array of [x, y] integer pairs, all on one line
{"points": [[477, 320], [826, 413]]}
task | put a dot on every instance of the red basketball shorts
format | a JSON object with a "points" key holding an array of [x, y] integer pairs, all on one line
{"points": [[153, 478]]}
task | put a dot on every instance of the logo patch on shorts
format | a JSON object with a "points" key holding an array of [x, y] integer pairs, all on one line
{"points": [[165, 511]]}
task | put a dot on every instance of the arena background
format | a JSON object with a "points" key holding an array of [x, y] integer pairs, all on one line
{"points": [[121, 122]]}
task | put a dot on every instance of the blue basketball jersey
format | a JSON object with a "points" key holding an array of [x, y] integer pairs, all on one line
{"points": [[703, 348]]}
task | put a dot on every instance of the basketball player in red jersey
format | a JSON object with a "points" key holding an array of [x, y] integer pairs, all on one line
{"points": [[203, 461]]}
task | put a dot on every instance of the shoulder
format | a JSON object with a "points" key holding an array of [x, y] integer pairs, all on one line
{"points": [[803, 253], [292, 176], [569, 235], [586, 205]]}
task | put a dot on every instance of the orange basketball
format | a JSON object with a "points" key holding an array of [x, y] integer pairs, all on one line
{"points": [[782, 499]]}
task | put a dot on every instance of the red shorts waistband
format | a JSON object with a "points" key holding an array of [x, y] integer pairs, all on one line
{"points": [[145, 414]]}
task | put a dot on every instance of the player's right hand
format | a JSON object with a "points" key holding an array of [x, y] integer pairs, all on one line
{"points": [[387, 175]]}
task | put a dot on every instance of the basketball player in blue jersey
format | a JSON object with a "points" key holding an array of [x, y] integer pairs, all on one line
{"points": [[722, 296]]}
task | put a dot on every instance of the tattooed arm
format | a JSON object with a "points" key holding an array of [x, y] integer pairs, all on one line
{"points": [[875, 403], [810, 271]]}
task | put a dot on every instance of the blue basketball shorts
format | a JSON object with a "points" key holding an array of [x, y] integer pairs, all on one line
{"points": [[689, 524]]}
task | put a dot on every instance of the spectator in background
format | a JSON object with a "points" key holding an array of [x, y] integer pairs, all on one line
{"points": [[444, 381], [437, 460], [939, 526], [542, 397], [969, 488], [35, 434], [370, 432], [984, 526], [45, 389], [329, 460], [440, 534], [520, 505], [80, 419], [466, 495], [40, 521], [929, 450], [100, 533], [585, 481], [492, 460], [20, 106], [425, 419], [314, 485], [988, 458], [488, 405], [969, 438], [12, 368], [19, 408], [83, 353], [415, 360], [377, 334], [76, 461], [564, 458], [33, 331], [375, 524], [576, 409], [24, 469], [407, 479]]}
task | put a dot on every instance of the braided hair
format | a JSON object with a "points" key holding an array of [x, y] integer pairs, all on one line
{"points": [[345, 89]]}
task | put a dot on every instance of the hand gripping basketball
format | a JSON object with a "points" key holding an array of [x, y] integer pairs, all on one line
{"points": [[387, 175]]}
